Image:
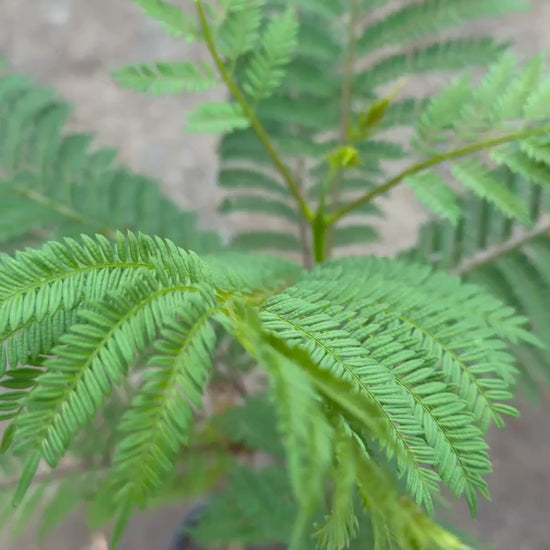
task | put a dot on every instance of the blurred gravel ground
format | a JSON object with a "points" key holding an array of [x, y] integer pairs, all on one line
{"points": [[72, 45]]}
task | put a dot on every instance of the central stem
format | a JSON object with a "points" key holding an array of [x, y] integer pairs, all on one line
{"points": [[346, 103], [349, 72]]}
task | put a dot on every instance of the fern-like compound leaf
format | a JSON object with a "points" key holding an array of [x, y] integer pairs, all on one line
{"points": [[266, 69], [92, 357], [54, 184], [240, 30], [483, 123], [440, 376], [394, 518], [240, 178], [258, 205], [158, 421], [387, 351], [167, 78], [308, 436], [341, 527], [489, 249], [362, 356], [253, 424], [306, 105], [340, 352], [233, 515], [428, 17], [354, 234], [475, 177], [172, 19], [434, 192], [217, 118], [36, 284], [447, 56], [440, 114], [26, 343]]}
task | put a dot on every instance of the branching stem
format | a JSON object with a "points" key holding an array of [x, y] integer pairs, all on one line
{"points": [[434, 161], [515, 243], [250, 114], [346, 102]]}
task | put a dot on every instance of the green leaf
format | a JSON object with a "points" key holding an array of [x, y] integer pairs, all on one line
{"points": [[7, 438], [29, 471], [440, 113], [341, 527], [256, 508], [537, 105], [170, 17], [441, 56], [530, 164], [355, 234], [302, 421], [510, 104], [167, 78], [266, 68], [432, 190], [474, 176], [240, 30], [158, 421], [425, 19], [253, 424], [258, 205], [476, 114], [56, 184], [217, 118], [239, 178]]}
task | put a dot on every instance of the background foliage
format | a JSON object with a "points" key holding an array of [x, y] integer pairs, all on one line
{"points": [[496, 199]]}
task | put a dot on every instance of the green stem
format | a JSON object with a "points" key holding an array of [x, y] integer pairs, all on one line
{"points": [[319, 226], [346, 101], [434, 161], [490, 256], [349, 73], [251, 115]]}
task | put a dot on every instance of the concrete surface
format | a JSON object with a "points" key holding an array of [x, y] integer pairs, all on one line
{"points": [[72, 45]]}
